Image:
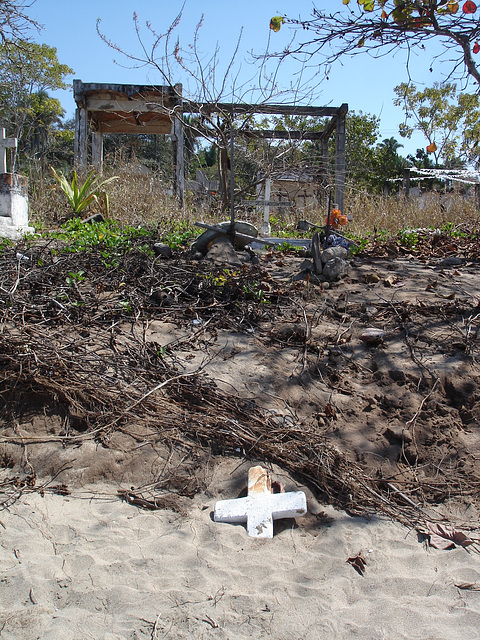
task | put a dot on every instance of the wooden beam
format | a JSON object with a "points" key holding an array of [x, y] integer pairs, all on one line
{"points": [[83, 90], [283, 135], [125, 126], [242, 108], [138, 105]]}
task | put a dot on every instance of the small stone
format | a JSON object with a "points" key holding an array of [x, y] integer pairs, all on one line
{"points": [[372, 335], [390, 281], [397, 434], [334, 268], [451, 261], [162, 250], [221, 251], [303, 225], [162, 298], [334, 252], [306, 264]]}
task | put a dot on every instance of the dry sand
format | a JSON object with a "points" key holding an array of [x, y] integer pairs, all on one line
{"points": [[90, 566]]}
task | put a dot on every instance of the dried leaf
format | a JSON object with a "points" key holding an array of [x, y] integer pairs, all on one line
{"points": [[468, 586], [390, 281], [276, 23], [358, 562], [469, 7], [330, 411], [446, 537]]}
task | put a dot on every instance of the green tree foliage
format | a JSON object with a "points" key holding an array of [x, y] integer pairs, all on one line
{"points": [[361, 135], [389, 164], [447, 119], [381, 27], [27, 73]]}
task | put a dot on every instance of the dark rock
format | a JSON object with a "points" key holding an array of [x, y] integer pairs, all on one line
{"points": [[162, 297], [451, 261], [317, 253], [97, 217], [372, 335], [162, 250], [335, 268]]}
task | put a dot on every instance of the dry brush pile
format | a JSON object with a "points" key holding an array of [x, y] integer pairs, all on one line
{"points": [[68, 350]]}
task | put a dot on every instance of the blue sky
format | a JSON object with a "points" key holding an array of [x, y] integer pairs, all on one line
{"points": [[367, 85]]}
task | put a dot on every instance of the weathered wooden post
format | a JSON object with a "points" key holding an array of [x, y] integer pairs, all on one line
{"points": [[178, 144], [477, 197], [13, 196], [406, 183], [80, 141], [97, 150], [340, 157]]}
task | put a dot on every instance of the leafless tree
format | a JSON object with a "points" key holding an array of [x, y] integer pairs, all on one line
{"points": [[15, 22], [212, 85]]}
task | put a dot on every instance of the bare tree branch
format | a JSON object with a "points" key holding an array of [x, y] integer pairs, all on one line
{"points": [[381, 28]]}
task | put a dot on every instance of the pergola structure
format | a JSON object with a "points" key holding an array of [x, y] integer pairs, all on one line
{"points": [[151, 109], [127, 108]]}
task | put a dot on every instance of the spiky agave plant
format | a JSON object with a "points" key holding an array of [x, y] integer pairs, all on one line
{"points": [[81, 196]]}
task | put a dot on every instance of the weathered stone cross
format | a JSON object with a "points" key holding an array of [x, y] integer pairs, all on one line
{"points": [[260, 507], [4, 143]]}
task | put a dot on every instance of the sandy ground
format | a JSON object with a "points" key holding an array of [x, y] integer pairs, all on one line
{"points": [[90, 566]]}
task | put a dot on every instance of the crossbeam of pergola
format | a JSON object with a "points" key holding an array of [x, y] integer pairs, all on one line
{"points": [[151, 109]]}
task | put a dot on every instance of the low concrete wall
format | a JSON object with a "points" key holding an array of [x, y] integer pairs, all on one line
{"points": [[14, 206]]}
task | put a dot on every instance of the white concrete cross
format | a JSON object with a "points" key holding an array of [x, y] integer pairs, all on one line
{"points": [[261, 507], [266, 229], [4, 143]]}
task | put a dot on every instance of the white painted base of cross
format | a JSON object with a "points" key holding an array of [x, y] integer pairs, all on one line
{"points": [[261, 507]]}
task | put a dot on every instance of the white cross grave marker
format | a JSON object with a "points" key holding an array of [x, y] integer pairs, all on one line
{"points": [[266, 229], [261, 507], [4, 143]]}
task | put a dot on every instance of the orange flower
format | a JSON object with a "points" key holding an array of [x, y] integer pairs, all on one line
{"points": [[431, 148], [336, 219]]}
